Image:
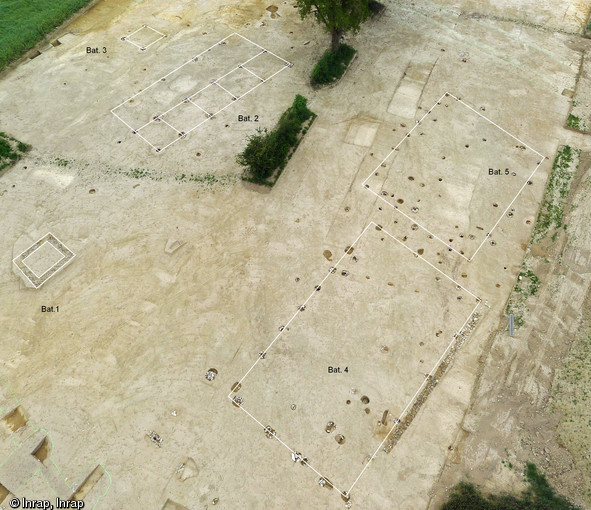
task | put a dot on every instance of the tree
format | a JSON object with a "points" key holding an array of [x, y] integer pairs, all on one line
{"points": [[338, 16]]}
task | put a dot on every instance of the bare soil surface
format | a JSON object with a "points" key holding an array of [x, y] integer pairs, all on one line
{"points": [[181, 268]]}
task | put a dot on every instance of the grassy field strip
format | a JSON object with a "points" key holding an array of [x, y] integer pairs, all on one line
{"points": [[23, 23]]}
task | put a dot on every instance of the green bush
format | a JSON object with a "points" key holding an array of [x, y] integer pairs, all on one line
{"points": [[11, 150], [300, 107], [332, 65], [538, 496], [6, 150], [267, 151]]}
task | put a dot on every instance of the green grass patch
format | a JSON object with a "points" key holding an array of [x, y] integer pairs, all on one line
{"points": [[332, 65], [267, 152], [11, 150], [552, 208], [539, 495], [141, 173], [206, 179], [527, 283], [23, 23], [575, 122], [517, 308]]}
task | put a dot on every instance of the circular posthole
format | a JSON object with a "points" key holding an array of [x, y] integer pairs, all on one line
{"points": [[92, 191], [365, 400]]}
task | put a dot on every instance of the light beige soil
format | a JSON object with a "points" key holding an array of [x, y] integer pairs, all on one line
{"points": [[580, 114], [525, 406], [139, 327]]}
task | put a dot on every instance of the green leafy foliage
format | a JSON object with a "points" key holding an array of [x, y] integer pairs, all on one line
{"points": [[300, 108], [11, 150], [23, 23], [538, 496], [527, 283], [338, 16], [268, 151], [552, 208], [332, 65], [575, 122]]}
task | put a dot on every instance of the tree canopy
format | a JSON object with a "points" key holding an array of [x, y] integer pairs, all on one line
{"points": [[539, 495], [338, 16]]}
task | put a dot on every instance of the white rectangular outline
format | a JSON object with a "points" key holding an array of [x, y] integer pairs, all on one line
{"points": [[418, 122], [428, 376], [51, 276], [143, 48], [188, 99], [54, 264]]}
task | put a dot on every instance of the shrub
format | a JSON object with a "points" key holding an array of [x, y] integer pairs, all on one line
{"points": [[300, 107], [267, 151], [538, 496], [376, 7], [11, 150], [332, 65], [260, 155]]}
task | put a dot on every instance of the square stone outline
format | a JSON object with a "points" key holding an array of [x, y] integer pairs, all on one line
{"points": [[29, 274]]}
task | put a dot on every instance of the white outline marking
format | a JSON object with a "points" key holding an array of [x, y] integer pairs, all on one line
{"points": [[143, 48], [171, 72], [222, 109], [195, 104], [254, 74], [264, 49], [421, 387], [488, 235], [14, 260], [295, 314], [210, 115], [286, 446], [226, 90], [54, 264]]}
